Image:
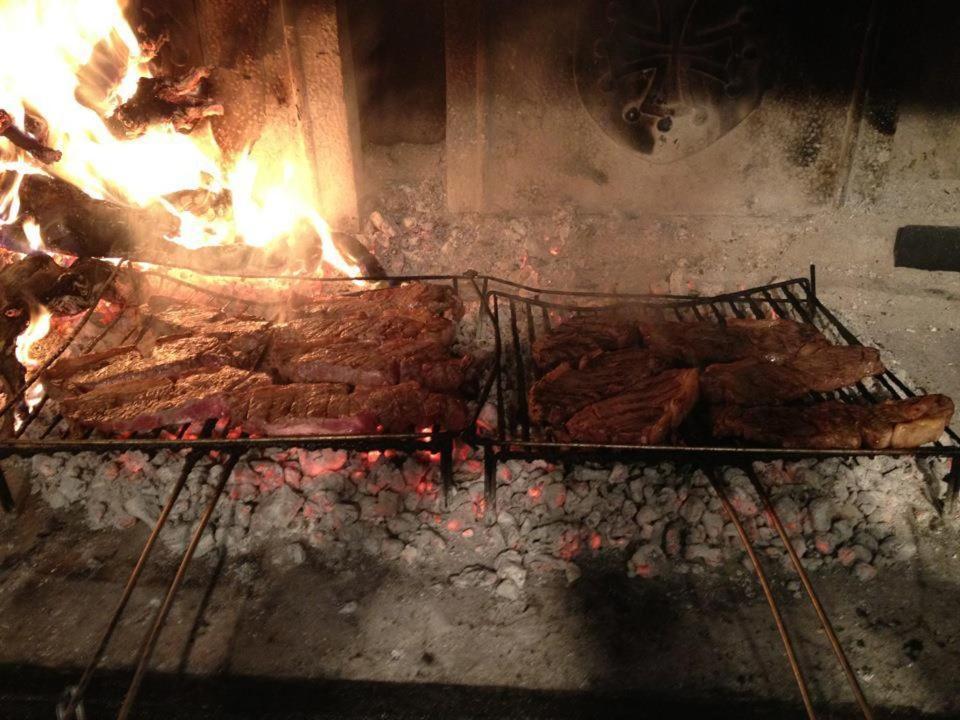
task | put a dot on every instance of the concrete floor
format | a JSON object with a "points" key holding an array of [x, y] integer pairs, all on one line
{"points": [[703, 639]]}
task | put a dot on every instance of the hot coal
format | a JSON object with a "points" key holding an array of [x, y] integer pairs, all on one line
{"points": [[567, 389], [892, 424], [645, 415], [759, 382]]}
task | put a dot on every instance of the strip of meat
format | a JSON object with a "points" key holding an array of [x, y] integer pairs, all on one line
{"points": [[646, 415], [179, 356], [306, 409], [325, 408], [757, 382], [836, 425], [702, 343], [148, 404], [582, 335], [566, 389], [184, 321], [371, 363], [381, 325], [410, 299]]}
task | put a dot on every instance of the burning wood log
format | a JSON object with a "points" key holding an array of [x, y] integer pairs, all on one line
{"points": [[25, 142], [73, 223], [181, 102]]}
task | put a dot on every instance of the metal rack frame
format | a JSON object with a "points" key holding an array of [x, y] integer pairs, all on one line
{"points": [[794, 296], [515, 306]]}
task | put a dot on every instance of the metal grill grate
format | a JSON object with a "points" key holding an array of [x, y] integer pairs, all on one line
{"points": [[521, 314], [43, 432]]}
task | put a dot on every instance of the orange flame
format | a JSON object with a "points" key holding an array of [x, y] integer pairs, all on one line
{"points": [[25, 351], [71, 64]]}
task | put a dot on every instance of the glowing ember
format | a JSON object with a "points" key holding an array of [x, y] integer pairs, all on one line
{"points": [[69, 65]]}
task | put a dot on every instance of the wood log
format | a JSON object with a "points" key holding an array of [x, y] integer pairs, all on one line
{"points": [[181, 102], [73, 223]]}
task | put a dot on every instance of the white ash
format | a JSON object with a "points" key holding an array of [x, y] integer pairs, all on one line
{"points": [[660, 520]]}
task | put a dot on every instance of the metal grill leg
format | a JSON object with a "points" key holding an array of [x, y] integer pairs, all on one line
{"points": [[446, 469], [6, 497], [73, 705], [717, 483], [150, 641], [490, 477], [814, 599]]}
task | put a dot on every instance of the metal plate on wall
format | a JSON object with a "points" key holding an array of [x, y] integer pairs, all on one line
{"points": [[669, 77]]}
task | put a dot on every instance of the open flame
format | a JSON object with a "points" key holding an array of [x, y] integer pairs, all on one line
{"points": [[70, 64], [25, 351]]}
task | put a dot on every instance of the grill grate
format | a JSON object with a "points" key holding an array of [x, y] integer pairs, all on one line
{"points": [[38, 433], [521, 314]]}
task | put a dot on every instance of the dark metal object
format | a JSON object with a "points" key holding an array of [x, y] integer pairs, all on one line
{"points": [[530, 311], [927, 247], [669, 77], [717, 483]]}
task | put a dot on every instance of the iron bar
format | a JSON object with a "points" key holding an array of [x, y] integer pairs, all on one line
{"points": [[150, 642], [717, 485], [77, 692], [774, 518]]}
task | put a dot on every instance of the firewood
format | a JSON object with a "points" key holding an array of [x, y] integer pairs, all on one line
{"points": [[180, 102], [73, 223], [24, 141]]}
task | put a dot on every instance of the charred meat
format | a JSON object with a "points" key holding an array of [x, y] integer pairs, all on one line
{"points": [[836, 425], [567, 389], [758, 382], [646, 415]]}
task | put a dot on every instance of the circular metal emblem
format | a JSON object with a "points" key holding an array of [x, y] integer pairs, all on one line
{"points": [[669, 77]]}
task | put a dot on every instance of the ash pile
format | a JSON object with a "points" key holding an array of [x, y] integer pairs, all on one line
{"points": [[861, 515]]}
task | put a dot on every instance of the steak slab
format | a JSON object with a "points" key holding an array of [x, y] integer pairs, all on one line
{"points": [[697, 344], [155, 402], [583, 335], [836, 425], [646, 415], [758, 382], [325, 408], [566, 389], [371, 363], [169, 358], [412, 299]]}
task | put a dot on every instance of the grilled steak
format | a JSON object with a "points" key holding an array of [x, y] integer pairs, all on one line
{"points": [[702, 343], [582, 335], [370, 363], [566, 389], [645, 415], [147, 404], [325, 408], [184, 321], [411, 299], [757, 382], [322, 330], [170, 358], [835, 425]]}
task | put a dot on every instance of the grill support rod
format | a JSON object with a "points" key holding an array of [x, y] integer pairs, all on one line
{"points": [[77, 693], [717, 482], [150, 641], [811, 593]]}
